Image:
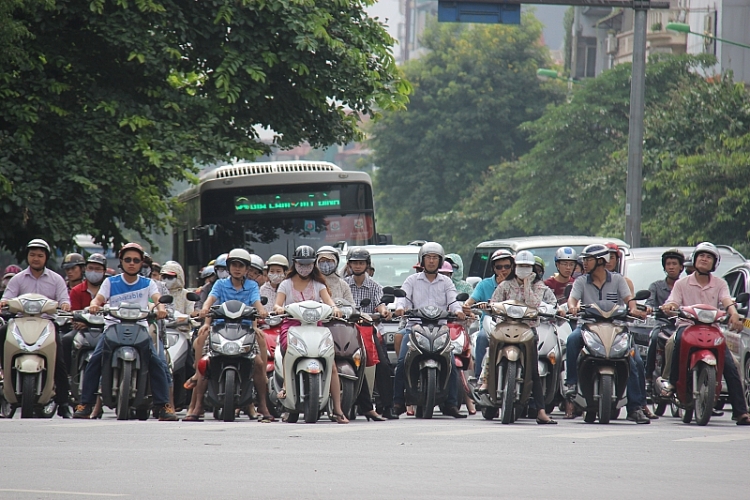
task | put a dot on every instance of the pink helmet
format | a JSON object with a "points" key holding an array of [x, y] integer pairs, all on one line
{"points": [[12, 269], [446, 267]]}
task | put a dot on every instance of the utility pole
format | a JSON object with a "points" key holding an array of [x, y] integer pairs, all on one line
{"points": [[634, 184], [407, 29]]}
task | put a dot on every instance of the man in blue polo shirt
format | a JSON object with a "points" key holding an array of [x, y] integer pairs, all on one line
{"points": [[238, 287]]}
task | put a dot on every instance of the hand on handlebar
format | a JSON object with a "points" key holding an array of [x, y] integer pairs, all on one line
{"points": [[460, 315], [161, 312], [93, 308], [65, 307], [399, 312], [735, 323], [278, 309]]}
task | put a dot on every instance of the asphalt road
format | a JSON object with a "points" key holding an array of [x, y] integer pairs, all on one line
{"points": [[409, 458]]}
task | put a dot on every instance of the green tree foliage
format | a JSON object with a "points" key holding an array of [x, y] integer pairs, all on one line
{"points": [[573, 179], [105, 103], [471, 91], [697, 162]]}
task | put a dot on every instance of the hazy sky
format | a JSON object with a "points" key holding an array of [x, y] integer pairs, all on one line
{"points": [[550, 15]]}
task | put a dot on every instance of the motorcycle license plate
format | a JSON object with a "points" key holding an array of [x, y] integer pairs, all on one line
{"points": [[389, 338]]}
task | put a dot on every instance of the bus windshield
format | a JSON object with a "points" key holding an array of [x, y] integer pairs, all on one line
{"points": [[273, 207]]}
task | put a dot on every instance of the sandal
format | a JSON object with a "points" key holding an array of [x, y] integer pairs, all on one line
{"points": [[744, 420], [190, 383], [549, 421], [340, 418], [192, 418], [265, 419]]}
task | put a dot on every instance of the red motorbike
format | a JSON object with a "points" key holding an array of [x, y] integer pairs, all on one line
{"points": [[701, 363], [462, 354], [271, 328]]}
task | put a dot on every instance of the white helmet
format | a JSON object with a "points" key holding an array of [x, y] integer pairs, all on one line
{"points": [[39, 243], [433, 248], [324, 250], [525, 258], [710, 248], [256, 262], [278, 260], [241, 255], [502, 254]]}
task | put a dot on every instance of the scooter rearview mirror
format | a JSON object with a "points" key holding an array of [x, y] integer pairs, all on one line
{"points": [[264, 300], [642, 294], [365, 302], [166, 299], [399, 293], [742, 298], [461, 297], [193, 297], [388, 290], [387, 299]]}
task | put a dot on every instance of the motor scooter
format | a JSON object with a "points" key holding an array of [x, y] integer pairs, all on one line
{"points": [[271, 328], [510, 349], [350, 354], [604, 364], [550, 355], [231, 359], [701, 364], [30, 353], [461, 346], [125, 380], [308, 363], [84, 343]]}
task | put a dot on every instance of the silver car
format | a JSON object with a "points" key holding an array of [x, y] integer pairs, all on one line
{"points": [[738, 279]]}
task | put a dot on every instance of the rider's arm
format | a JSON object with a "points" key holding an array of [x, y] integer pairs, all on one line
{"points": [[407, 287], [576, 294]]}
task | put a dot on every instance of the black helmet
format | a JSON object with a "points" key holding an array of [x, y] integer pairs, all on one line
{"points": [[97, 258], [304, 254], [72, 260], [672, 253], [358, 253]]}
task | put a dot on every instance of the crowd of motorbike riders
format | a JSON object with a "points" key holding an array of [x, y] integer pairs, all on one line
{"points": [[270, 285]]}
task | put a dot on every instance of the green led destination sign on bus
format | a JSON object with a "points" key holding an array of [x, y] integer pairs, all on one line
{"points": [[288, 202]]}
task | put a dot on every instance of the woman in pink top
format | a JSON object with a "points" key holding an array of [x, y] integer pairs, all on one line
{"points": [[306, 282]]}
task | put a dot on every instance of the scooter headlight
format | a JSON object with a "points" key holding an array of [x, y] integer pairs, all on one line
{"points": [[593, 344], [172, 339], [312, 315], [621, 345], [706, 316], [441, 341], [422, 342], [33, 307], [458, 344], [325, 345], [231, 348], [297, 343], [515, 312]]}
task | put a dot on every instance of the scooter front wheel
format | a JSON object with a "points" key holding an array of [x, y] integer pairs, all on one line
{"points": [[229, 387], [430, 392], [123, 394], [605, 398], [312, 398], [28, 398], [704, 402], [506, 412]]}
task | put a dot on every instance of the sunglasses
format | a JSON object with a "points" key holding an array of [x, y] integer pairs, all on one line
{"points": [[132, 260], [503, 266]]}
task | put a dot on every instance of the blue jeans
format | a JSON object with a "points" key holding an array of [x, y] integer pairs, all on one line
{"points": [[636, 380], [157, 370], [399, 380], [480, 350], [163, 356]]}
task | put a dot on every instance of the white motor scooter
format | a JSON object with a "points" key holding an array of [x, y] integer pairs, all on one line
{"points": [[307, 365]]}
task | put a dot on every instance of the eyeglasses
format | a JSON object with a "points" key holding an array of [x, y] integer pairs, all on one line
{"points": [[502, 266], [132, 260]]}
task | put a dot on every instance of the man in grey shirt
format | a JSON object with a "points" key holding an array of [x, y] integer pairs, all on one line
{"points": [[428, 288], [599, 286]]}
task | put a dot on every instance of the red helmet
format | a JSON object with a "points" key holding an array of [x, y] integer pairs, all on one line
{"points": [[131, 246]]}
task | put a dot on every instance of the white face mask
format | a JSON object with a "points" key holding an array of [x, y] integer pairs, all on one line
{"points": [[275, 278], [524, 272], [170, 283], [222, 273]]}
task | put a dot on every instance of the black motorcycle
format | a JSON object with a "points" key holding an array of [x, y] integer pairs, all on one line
{"points": [[231, 358], [125, 362]]}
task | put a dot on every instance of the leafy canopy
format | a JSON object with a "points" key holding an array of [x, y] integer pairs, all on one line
{"points": [[104, 104]]}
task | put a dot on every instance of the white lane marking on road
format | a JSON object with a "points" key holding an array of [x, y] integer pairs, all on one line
{"points": [[720, 438], [594, 435], [469, 432], [69, 493]]}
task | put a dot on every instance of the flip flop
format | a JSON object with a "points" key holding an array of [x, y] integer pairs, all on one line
{"points": [[745, 420], [265, 419], [192, 418], [190, 383]]}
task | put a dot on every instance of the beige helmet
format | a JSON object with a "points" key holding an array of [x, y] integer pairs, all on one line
{"points": [[241, 255], [278, 260]]}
